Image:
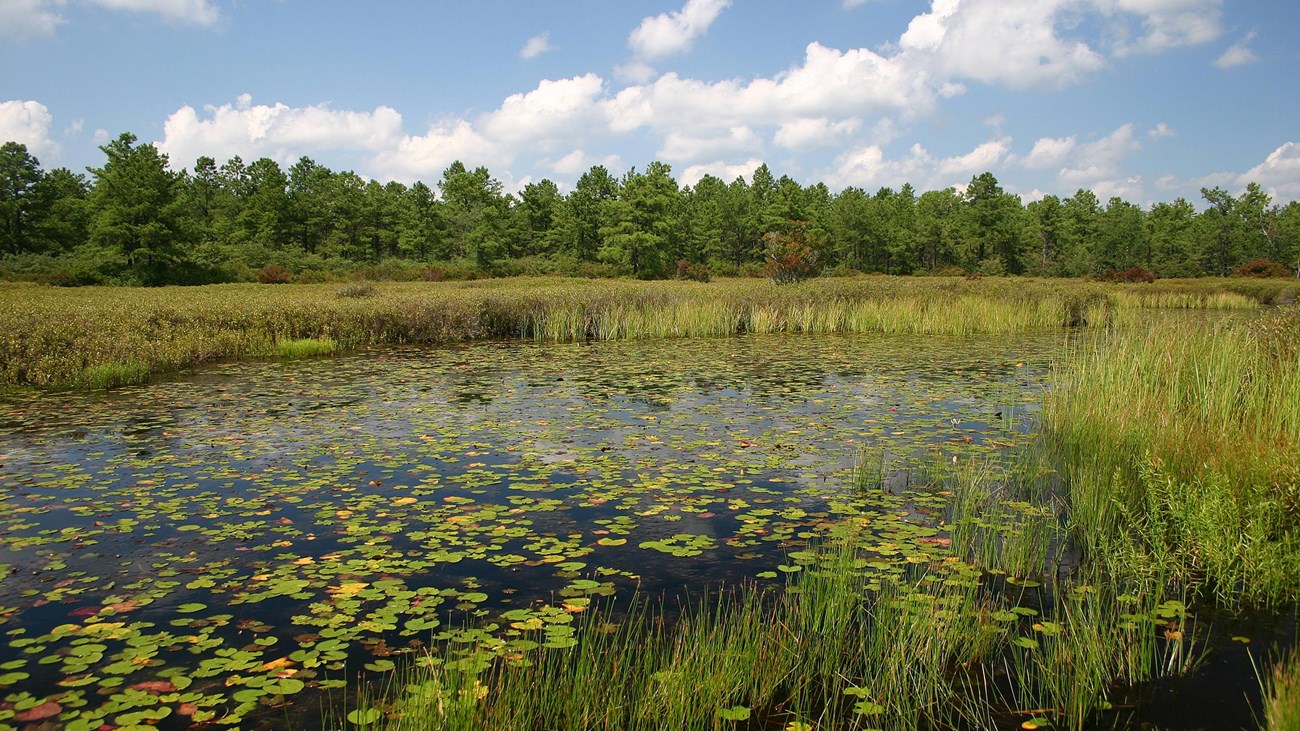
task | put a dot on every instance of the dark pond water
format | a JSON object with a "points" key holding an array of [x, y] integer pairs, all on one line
{"points": [[197, 547]]}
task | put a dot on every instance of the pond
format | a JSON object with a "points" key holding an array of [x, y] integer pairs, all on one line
{"points": [[225, 545]]}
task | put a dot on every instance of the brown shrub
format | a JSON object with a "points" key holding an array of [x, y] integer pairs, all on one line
{"points": [[1262, 269], [274, 274]]}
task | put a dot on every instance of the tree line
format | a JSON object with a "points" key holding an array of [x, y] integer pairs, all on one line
{"points": [[134, 220]]}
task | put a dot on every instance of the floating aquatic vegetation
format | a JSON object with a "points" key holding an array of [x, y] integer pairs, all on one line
{"points": [[213, 548]]}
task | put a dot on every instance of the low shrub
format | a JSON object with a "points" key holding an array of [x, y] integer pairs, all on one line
{"points": [[1132, 275], [274, 274], [794, 255], [1262, 269], [692, 271]]}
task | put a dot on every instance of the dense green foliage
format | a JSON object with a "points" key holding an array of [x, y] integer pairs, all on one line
{"points": [[136, 221]]}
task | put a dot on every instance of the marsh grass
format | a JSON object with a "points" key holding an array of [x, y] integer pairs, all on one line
{"points": [[113, 375], [305, 347], [1282, 695], [1179, 443], [55, 334]]}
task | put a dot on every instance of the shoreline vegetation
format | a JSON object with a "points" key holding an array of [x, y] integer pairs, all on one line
{"points": [[101, 337]]}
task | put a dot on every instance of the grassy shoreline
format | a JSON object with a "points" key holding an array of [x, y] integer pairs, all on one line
{"points": [[101, 337]]}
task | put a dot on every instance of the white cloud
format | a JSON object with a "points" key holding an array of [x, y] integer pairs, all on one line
{"points": [[1129, 189], [1165, 23], [986, 156], [554, 112], [810, 133], [1280, 168], [829, 83], [36, 18], [668, 34], [536, 46], [27, 19], [1161, 131], [196, 12], [1238, 54], [867, 167], [577, 162], [426, 156], [1278, 174], [635, 72], [998, 42], [725, 171], [28, 122], [1049, 152], [1101, 160], [683, 146], [280, 132]]}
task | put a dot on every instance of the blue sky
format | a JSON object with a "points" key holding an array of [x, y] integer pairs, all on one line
{"points": [[1146, 99]]}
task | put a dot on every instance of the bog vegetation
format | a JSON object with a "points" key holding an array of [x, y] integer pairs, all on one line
{"points": [[105, 336], [142, 219]]}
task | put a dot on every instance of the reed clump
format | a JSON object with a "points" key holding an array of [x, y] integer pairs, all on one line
{"points": [[1282, 695], [1178, 443], [305, 347]]}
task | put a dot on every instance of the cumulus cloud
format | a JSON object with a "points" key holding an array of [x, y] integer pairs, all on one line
{"points": [[1049, 152], [986, 156], [1130, 189], [810, 133], [683, 146], [718, 169], [536, 46], [425, 156], [1238, 54], [1280, 169], [28, 122], [554, 112], [668, 34], [635, 72], [1161, 131], [868, 167], [1101, 159], [577, 162], [1164, 24], [27, 19], [280, 132], [828, 83], [1016, 44]]}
